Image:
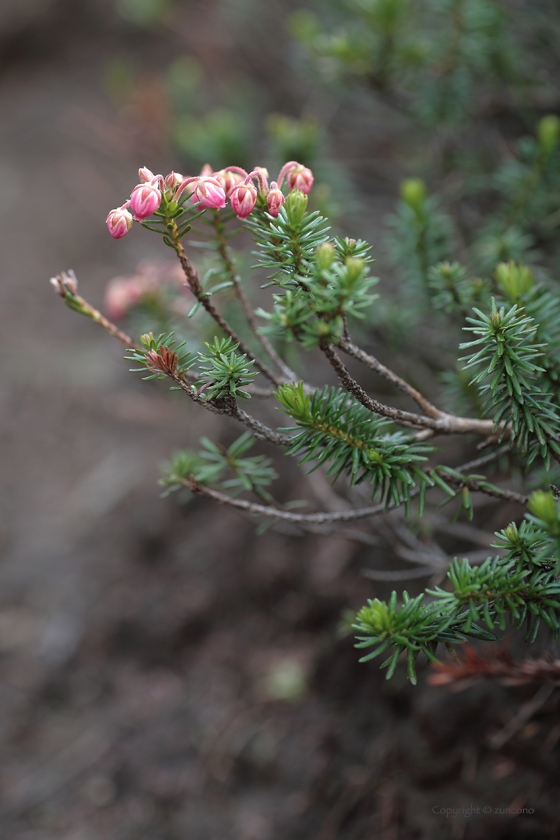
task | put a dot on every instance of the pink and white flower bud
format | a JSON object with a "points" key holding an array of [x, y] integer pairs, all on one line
{"points": [[146, 175], [274, 200], [243, 199], [210, 193], [121, 295], [119, 222], [145, 200], [228, 180], [206, 171], [171, 182], [300, 178]]}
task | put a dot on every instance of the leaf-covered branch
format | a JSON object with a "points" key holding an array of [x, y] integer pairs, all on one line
{"points": [[508, 353]]}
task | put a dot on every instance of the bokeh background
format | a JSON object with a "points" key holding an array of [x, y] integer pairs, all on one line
{"points": [[166, 673]]}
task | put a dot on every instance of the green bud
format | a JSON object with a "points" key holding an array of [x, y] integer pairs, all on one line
{"points": [[376, 616], [543, 506], [514, 279], [548, 133], [511, 533], [413, 193], [295, 207], [496, 321], [355, 268], [324, 256], [147, 340], [375, 456]]}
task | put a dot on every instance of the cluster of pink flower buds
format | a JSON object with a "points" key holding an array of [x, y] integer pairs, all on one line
{"points": [[123, 293], [209, 189]]}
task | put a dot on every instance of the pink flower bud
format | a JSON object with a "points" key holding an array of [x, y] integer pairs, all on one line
{"points": [[243, 199], [119, 222], [210, 193], [228, 180], [274, 200], [171, 182], [300, 178], [145, 200], [206, 171], [121, 295], [146, 175]]}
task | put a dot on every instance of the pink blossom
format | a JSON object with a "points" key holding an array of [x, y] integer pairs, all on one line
{"points": [[145, 200], [121, 295], [274, 200], [146, 175], [150, 278], [243, 199], [300, 178], [119, 222], [210, 193], [228, 180]]}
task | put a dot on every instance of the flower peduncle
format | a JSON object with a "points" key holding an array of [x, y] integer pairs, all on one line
{"points": [[260, 174], [292, 164]]}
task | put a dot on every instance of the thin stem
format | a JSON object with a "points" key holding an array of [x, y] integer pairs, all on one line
{"points": [[483, 460], [225, 254], [65, 285], [261, 393], [372, 363], [259, 429], [266, 510], [334, 516], [498, 493], [193, 281], [123, 337], [445, 423], [499, 739], [285, 169], [229, 407]]}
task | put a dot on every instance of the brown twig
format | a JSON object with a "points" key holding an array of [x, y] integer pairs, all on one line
{"points": [[227, 260], [498, 493], [483, 460], [261, 393], [66, 285], [229, 407], [495, 664], [524, 714], [323, 517], [404, 574], [269, 511], [259, 429], [373, 364], [445, 423], [194, 284]]}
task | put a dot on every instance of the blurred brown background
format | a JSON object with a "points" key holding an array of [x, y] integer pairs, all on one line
{"points": [[166, 673]]}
